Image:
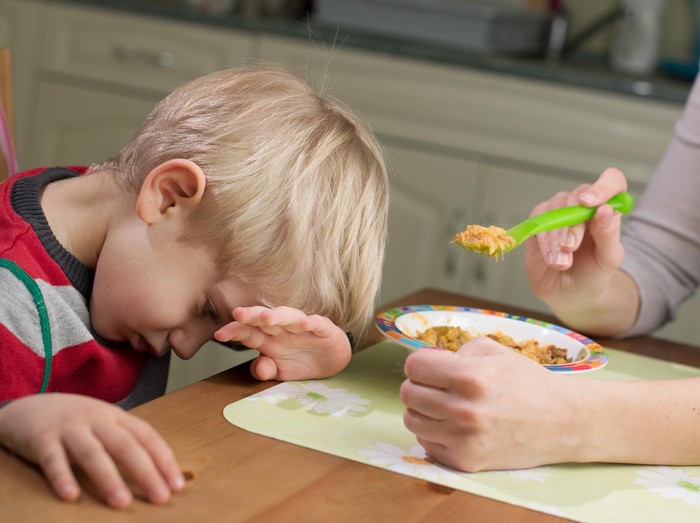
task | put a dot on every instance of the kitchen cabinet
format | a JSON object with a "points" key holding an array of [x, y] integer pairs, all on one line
{"points": [[463, 145], [19, 32], [101, 124], [488, 147], [430, 200], [100, 74], [93, 79], [507, 197]]}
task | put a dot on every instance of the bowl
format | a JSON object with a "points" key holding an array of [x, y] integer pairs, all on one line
{"points": [[403, 324]]}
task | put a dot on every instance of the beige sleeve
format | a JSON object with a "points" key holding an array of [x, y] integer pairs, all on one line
{"points": [[662, 235]]}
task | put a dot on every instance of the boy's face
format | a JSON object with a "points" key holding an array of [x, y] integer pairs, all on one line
{"points": [[152, 289], [156, 292]]}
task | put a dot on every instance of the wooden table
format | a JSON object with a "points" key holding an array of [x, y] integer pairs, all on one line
{"points": [[240, 476]]}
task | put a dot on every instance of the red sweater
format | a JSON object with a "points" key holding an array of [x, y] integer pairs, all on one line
{"points": [[35, 268]]}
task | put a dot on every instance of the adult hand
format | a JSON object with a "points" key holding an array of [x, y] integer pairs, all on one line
{"points": [[292, 345], [59, 431], [487, 407], [572, 269]]}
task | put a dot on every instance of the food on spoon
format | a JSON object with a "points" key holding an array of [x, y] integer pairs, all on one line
{"points": [[452, 338], [491, 240]]}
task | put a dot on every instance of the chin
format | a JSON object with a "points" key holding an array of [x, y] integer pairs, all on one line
{"points": [[108, 334]]}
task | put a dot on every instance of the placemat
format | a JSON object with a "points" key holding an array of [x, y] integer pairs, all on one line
{"points": [[357, 415]]}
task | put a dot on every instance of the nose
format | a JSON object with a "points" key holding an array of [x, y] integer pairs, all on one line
{"points": [[186, 342]]}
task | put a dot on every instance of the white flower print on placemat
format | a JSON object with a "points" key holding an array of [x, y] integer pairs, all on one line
{"points": [[415, 462], [670, 483], [316, 396]]}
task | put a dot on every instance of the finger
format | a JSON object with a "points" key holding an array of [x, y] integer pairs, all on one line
{"points": [[611, 182], [250, 336], [288, 319], [275, 322], [86, 452], [298, 323], [436, 431], [605, 231], [483, 346], [248, 314], [434, 368], [158, 450], [558, 246], [320, 326], [442, 454], [421, 399], [263, 368], [423, 426], [135, 462], [549, 243], [261, 316], [53, 461], [563, 240]]}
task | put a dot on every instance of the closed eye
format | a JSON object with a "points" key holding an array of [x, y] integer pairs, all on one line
{"points": [[209, 311]]}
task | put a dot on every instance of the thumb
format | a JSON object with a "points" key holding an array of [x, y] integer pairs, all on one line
{"points": [[483, 346], [263, 368]]}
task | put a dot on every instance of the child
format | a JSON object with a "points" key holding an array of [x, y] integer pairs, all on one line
{"points": [[248, 208], [486, 407]]}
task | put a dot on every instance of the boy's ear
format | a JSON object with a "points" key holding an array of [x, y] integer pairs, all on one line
{"points": [[173, 186]]}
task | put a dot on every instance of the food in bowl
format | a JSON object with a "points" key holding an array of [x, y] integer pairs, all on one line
{"points": [[452, 338]]}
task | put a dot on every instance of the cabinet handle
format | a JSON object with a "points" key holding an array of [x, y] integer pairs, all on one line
{"points": [[156, 58]]}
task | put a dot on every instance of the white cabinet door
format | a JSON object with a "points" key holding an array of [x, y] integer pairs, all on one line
{"points": [[78, 126], [19, 22], [431, 199], [508, 197]]}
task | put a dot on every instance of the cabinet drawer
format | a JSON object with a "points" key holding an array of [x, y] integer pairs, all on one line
{"points": [[572, 130], [143, 52]]}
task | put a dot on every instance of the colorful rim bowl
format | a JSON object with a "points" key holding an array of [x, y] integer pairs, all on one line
{"points": [[386, 323]]}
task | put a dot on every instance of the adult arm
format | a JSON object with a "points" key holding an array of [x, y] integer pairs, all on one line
{"points": [[486, 407], [599, 284]]}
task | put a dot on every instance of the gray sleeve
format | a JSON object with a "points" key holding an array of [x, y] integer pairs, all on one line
{"points": [[662, 235], [151, 383]]}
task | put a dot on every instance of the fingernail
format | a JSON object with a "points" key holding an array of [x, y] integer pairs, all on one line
{"points": [[588, 197], [562, 258], [67, 491], [161, 494], [178, 482], [611, 219], [569, 240], [119, 498]]}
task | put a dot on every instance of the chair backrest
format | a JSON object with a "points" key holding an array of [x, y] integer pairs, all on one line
{"points": [[8, 157]]}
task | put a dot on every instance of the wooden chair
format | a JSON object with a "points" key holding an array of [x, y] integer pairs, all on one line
{"points": [[8, 158]]}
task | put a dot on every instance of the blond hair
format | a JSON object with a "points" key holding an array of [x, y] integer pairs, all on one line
{"points": [[297, 191]]}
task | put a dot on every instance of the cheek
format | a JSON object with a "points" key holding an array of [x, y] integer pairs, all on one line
{"points": [[119, 304]]}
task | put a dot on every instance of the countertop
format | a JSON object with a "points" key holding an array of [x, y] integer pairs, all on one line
{"points": [[586, 72]]}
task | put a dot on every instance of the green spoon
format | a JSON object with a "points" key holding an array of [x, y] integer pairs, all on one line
{"points": [[494, 243]]}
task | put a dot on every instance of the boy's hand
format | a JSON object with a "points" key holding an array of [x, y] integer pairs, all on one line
{"points": [[292, 345], [487, 407], [60, 431]]}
